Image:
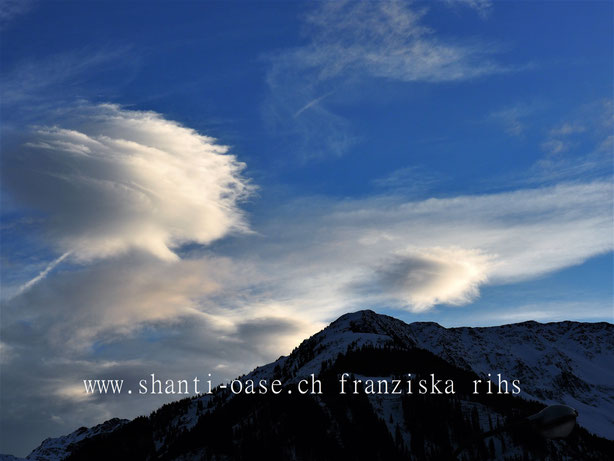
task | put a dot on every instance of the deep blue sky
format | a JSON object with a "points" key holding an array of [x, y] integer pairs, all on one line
{"points": [[205, 65], [444, 161]]}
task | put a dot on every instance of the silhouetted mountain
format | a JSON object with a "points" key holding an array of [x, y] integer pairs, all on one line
{"points": [[566, 362]]}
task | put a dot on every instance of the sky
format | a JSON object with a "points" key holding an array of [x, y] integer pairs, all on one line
{"points": [[195, 187]]}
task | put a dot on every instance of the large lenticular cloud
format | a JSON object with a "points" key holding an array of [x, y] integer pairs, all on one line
{"points": [[110, 180]]}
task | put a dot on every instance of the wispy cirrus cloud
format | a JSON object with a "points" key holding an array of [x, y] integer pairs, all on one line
{"points": [[483, 7], [567, 129], [31, 86], [10, 9], [576, 147], [560, 138], [389, 40], [580, 147], [411, 181], [350, 42], [514, 119]]}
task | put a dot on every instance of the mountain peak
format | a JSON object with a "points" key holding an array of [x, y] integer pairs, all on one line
{"points": [[369, 321], [364, 316]]}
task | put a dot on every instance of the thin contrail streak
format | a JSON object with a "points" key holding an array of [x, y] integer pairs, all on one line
{"points": [[312, 103], [26, 286]]}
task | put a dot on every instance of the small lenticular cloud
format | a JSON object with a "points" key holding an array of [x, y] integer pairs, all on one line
{"points": [[111, 180], [421, 278]]}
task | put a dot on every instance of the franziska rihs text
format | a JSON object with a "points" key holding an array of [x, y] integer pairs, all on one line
{"points": [[347, 384]]}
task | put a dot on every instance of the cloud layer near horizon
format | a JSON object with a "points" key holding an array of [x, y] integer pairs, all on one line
{"points": [[110, 180]]}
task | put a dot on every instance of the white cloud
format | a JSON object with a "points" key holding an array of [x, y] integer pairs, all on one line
{"points": [[430, 276], [117, 299], [111, 180], [111, 298]]}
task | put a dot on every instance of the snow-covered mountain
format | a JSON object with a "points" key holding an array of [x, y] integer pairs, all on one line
{"points": [[559, 362], [564, 362], [60, 447]]}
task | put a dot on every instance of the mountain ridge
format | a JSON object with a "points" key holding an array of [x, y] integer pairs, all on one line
{"points": [[582, 348]]}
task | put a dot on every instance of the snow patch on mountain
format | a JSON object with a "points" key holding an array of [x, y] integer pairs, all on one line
{"points": [[56, 449]]}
